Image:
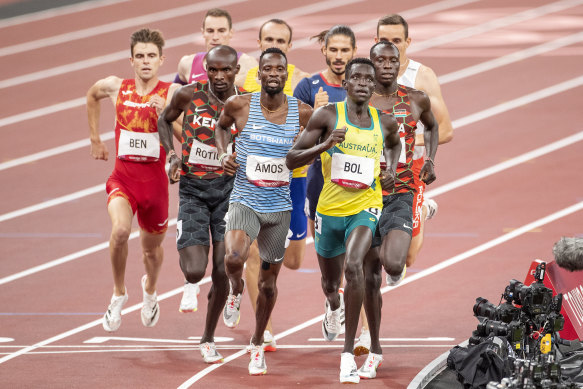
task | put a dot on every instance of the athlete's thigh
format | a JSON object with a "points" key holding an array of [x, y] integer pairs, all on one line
{"points": [[272, 236], [192, 225]]}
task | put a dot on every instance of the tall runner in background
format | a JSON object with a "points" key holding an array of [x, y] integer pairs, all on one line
{"points": [[204, 187], [393, 28], [138, 183], [277, 33], [354, 137], [217, 29], [260, 203], [393, 236]]}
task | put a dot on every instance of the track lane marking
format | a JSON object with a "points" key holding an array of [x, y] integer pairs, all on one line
{"points": [[422, 274], [457, 124]]}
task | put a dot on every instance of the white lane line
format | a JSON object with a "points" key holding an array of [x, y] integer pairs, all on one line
{"points": [[565, 142], [519, 102], [326, 5], [234, 347], [511, 58], [91, 32], [538, 223], [92, 324], [53, 202], [301, 43], [52, 152], [457, 124], [496, 24], [433, 269], [59, 11]]}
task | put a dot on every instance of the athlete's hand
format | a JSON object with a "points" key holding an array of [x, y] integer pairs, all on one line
{"points": [[387, 179], [320, 99], [229, 165], [298, 134], [99, 150], [174, 168], [157, 102], [427, 173], [337, 136]]}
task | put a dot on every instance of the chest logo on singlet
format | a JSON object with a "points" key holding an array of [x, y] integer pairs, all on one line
{"points": [[126, 92], [402, 113]]}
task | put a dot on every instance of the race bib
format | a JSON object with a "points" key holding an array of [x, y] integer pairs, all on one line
{"points": [[267, 171], [205, 156], [138, 146], [352, 171]]}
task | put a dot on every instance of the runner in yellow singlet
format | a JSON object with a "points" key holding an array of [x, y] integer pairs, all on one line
{"points": [[351, 199]]}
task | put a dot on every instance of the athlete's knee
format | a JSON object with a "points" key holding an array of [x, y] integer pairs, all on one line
{"points": [[153, 254], [120, 234], [268, 288], [330, 286], [353, 272], [234, 261]]}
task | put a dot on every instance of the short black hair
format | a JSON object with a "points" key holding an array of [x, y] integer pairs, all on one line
{"points": [[357, 61], [393, 20], [280, 22], [273, 50], [383, 43]]}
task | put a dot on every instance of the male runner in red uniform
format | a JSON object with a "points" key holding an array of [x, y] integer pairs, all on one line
{"points": [[138, 182]]}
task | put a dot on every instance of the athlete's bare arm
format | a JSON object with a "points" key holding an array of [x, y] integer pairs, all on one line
{"points": [[392, 149], [235, 111], [431, 134], [178, 104], [428, 83], [246, 62], [321, 124], [297, 76], [107, 87], [184, 67]]}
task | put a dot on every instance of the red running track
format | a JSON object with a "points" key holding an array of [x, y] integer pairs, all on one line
{"points": [[521, 97]]}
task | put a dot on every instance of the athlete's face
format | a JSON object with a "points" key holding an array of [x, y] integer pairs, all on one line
{"points": [[272, 73], [216, 31], [360, 82], [275, 35], [146, 60], [386, 62], [221, 71], [338, 52], [396, 35]]}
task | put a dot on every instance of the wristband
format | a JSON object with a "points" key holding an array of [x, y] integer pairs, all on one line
{"points": [[428, 159], [221, 157], [172, 153]]}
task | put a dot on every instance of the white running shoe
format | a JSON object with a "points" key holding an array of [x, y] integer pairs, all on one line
{"points": [[431, 208], [257, 364], [369, 368], [231, 313], [348, 372], [189, 302], [396, 280], [112, 318], [209, 353], [363, 345], [333, 322], [150, 307], [269, 342]]}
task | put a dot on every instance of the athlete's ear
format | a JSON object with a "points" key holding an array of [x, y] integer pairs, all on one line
{"points": [[323, 49], [237, 68], [162, 58], [408, 41], [376, 39]]}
